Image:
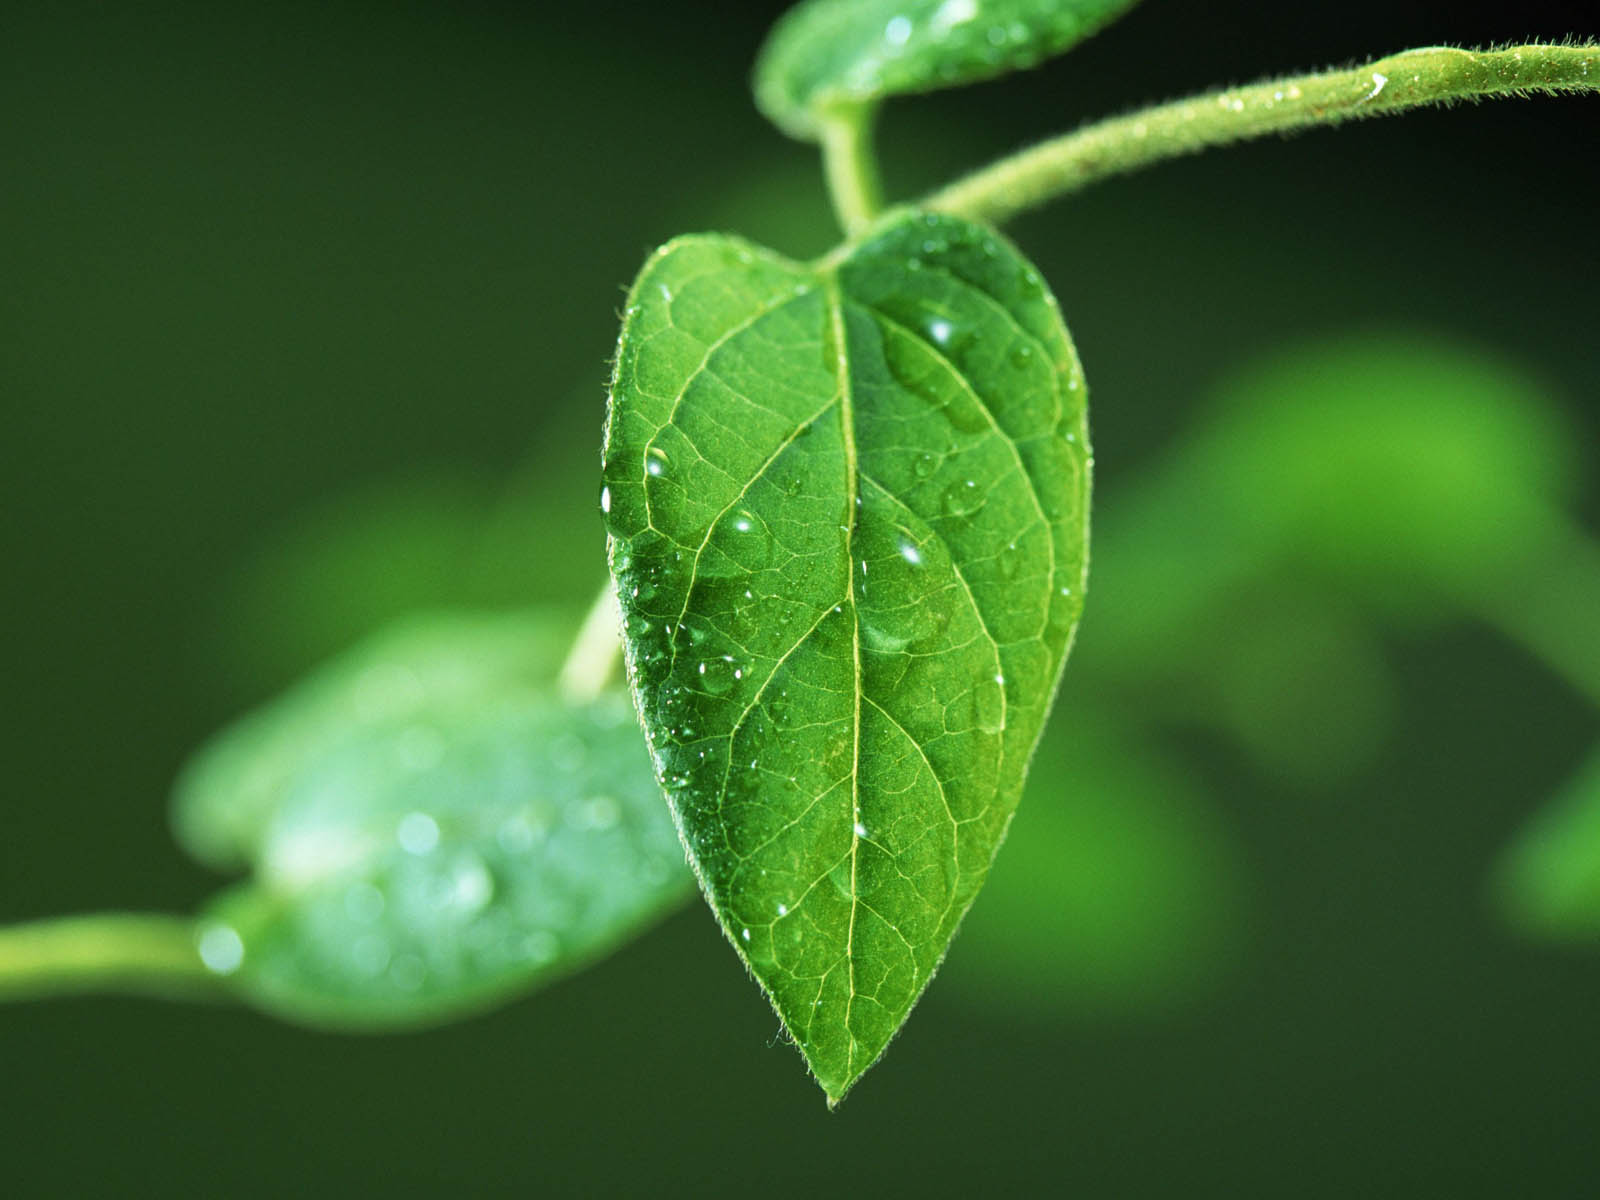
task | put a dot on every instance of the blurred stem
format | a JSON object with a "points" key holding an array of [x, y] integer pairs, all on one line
{"points": [[1437, 75], [592, 662], [851, 166], [1551, 607], [105, 952]]}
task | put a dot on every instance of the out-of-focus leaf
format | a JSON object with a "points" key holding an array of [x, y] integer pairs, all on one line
{"points": [[409, 672], [1383, 462], [1119, 894], [848, 505], [431, 829], [1549, 881], [826, 55]]}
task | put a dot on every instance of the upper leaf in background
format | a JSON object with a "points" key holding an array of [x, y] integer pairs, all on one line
{"points": [[431, 829], [1549, 881], [831, 55], [848, 505]]}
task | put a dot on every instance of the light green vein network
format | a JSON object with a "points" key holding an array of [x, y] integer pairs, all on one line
{"points": [[848, 512]]}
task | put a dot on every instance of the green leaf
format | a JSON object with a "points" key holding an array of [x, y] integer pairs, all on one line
{"points": [[848, 511], [229, 792], [831, 56], [1550, 879], [432, 830]]}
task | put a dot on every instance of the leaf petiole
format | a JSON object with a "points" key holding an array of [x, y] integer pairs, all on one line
{"points": [[106, 952], [851, 166], [596, 652], [1412, 79]]}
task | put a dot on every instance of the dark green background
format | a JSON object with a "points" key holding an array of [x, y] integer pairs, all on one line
{"points": [[256, 258]]}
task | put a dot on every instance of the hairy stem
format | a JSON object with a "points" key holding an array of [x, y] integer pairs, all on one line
{"points": [[597, 651], [1437, 75], [851, 167], [105, 952]]}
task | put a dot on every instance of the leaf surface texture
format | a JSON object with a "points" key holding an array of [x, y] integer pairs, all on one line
{"points": [[848, 514]]}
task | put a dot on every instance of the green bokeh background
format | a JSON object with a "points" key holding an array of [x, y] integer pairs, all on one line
{"points": [[305, 320]]}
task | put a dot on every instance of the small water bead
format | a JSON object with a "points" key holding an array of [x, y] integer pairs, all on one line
{"points": [[418, 833], [656, 462], [989, 703], [898, 31], [924, 465], [718, 675], [605, 499], [471, 885], [408, 972], [539, 947], [519, 833], [780, 711], [363, 903], [221, 949], [1010, 560], [962, 499], [370, 954], [941, 330]]}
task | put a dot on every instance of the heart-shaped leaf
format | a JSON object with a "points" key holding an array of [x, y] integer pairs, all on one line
{"points": [[825, 56], [432, 829], [848, 511]]}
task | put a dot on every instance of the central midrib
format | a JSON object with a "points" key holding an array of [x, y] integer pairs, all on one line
{"points": [[835, 304]]}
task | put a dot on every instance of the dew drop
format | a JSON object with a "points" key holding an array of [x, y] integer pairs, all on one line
{"points": [[408, 972], [656, 462], [418, 833], [221, 949], [370, 954], [596, 812], [518, 833], [717, 675], [962, 499], [363, 902], [471, 885], [989, 703], [1010, 560], [539, 947]]}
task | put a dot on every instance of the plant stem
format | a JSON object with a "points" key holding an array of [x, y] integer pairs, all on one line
{"points": [[1437, 75], [851, 166], [104, 952], [592, 662]]}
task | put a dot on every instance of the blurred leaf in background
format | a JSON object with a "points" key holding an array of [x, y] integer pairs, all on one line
{"points": [[1548, 884], [431, 828], [1120, 893]]}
